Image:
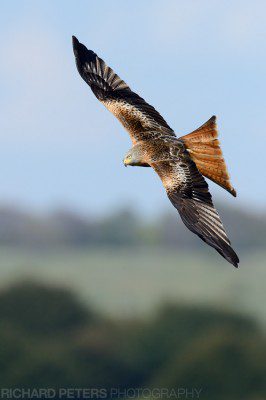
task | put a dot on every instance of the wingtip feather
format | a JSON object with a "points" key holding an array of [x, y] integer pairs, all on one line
{"points": [[81, 52], [230, 255], [75, 43], [235, 260]]}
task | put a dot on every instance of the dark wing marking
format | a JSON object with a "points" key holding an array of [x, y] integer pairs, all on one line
{"points": [[141, 120], [189, 194]]}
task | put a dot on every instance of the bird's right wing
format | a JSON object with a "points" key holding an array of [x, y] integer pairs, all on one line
{"points": [[189, 194], [140, 119]]}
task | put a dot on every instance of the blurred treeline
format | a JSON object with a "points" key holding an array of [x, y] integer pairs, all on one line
{"points": [[122, 228], [50, 339]]}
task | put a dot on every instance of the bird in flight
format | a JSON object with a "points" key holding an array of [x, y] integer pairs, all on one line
{"points": [[180, 162]]}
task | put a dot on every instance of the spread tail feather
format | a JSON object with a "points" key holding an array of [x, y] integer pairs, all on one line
{"points": [[204, 148]]}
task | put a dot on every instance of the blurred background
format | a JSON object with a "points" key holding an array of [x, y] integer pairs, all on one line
{"points": [[101, 285]]}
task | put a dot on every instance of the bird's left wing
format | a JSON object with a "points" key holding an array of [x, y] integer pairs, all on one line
{"points": [[189, 194], [140, 119]]}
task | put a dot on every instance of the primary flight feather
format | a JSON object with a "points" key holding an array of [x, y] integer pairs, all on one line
{"points": [[179, 162]]}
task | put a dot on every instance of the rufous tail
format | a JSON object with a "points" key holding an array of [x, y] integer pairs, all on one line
{"points": [[204, 148]]}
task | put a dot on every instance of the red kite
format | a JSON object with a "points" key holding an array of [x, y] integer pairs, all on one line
{"points": [[181, 162]]}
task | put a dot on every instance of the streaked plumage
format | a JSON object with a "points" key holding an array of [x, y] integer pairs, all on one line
{"points": [[180, 163]]}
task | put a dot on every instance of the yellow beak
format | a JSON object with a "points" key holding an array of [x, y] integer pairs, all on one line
{"points": [[126, 162]]}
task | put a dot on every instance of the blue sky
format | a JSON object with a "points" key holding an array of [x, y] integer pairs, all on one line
{"points": [[189, 59]]}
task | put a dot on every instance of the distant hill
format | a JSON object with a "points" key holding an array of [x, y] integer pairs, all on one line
{"points": [[66, 228], [49, 339]]}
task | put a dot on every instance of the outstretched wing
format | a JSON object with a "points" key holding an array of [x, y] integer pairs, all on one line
{"points": [[140, 119], [189, 194]]}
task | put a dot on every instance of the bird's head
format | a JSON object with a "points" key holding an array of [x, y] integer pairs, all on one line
{"points": [[128, 159], [133, 157]]}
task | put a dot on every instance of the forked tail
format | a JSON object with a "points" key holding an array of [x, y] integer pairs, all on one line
{"points": [[204, 148]]}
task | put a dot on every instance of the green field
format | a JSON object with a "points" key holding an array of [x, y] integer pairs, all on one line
{"points": [[127, 282]]}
